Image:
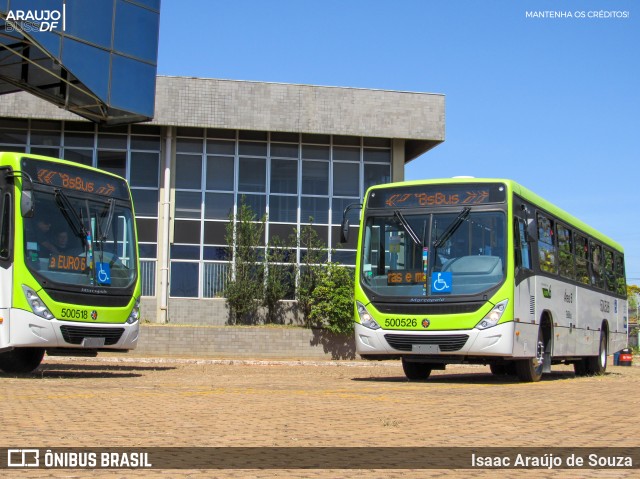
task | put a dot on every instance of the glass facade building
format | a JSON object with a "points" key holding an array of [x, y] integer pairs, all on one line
{"points": [[95, 58], [293, 178]]}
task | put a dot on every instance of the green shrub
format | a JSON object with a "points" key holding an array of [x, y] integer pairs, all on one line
{"points": [[332, 299]]}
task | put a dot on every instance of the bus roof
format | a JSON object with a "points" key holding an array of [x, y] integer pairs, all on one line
{"points": [[520, 190]]}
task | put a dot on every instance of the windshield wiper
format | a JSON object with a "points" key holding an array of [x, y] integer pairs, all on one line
{"points": [[452, 228], [407, 227], [70, 214], [105, 225]]}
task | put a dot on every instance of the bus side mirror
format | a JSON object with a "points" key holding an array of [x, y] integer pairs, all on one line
{"points": [[26, 203], [344, 230], [344, 227]]}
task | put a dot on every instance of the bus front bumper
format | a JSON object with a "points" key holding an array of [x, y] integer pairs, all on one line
{"points": [[495, 341], [29, 330]]}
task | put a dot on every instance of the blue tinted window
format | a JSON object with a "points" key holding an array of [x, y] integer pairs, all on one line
{"points": [[50, 41], [144, 169], [136, 31], [90, 65], [133, 85], [155, 4], [92, 21], [184, 280], [218, 206], [147, 250], [314, 210], [181, 251], [284, 176], [219, 173], [145, 202], [283, 208]]}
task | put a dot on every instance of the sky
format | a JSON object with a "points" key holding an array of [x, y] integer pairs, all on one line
{"points": [[552, 102]]}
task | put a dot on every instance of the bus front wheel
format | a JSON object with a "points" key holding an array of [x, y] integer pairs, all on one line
{"points": [[416, 371], [21, 360], [530, 370]]}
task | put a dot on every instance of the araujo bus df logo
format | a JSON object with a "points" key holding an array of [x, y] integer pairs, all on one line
{"points": [[26, 21]]}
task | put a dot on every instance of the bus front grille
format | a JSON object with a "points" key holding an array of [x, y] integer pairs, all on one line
{"points": [[446, 343], [75, 334]]}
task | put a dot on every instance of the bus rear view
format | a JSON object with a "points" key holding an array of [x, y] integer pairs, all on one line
{"points": [[69, 282], [455, 271]]}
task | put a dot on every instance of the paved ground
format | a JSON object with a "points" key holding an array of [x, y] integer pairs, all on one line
{"points": [[136, 402]]}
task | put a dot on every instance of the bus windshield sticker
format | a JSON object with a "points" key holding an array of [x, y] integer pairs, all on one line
{"points": [[104, 273], [441, 283]]}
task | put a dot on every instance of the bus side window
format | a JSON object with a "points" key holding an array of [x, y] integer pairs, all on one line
{"points": [[546, 245], [565, 252], [523, 255], [5, 226], [581, 250], [595, 264], [609, 273], [620, 276]]}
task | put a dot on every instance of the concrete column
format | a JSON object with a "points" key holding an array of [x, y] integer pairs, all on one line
{"points": [[397, 160], [167, 162]]}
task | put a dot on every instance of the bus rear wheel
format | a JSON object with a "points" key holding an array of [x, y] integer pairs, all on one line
{"points": [[416, 371], [21, 360], [594, 365], [530, 370]]}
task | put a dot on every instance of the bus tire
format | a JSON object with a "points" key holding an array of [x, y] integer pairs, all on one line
{"points": [[416, 371], [597, 365], [530, 370], [580, 367], [21, 360]]}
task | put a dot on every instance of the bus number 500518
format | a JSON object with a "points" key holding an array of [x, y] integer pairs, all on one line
{"points": [[70, 313]]}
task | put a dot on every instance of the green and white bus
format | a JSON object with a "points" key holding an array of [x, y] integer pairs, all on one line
{"points": [[483, 271], [69, 282]]}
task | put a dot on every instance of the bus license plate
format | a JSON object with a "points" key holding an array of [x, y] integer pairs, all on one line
{"points": [[93, 342], [425, 348]]}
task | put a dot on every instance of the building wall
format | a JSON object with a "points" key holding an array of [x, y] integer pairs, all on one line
{"points": [[243, 342]]}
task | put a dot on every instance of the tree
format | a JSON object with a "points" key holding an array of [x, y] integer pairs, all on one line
{"points": [[279, 278], [632, 297], [332, 299], [313, 252], [243, 290]]}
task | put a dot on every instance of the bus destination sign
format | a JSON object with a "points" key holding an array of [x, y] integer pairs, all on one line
{"points": [[72, 178], [437, 195]]}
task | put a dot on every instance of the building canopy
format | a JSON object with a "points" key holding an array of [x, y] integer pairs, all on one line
{"points": [[96, 59]]}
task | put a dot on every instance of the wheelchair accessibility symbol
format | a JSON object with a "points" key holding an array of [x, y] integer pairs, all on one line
{"points": [[104, 273], [441, 283]]}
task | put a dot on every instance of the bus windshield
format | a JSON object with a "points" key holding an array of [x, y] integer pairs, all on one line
{"points": [[460, 252], [80, 240]]}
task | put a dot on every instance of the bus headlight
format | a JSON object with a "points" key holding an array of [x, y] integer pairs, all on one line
{"points": [[492, 318], [365, 318], [135, 313], [37, 305]]}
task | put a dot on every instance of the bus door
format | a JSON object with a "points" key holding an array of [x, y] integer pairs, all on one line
{"points": [[524, 290]]}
